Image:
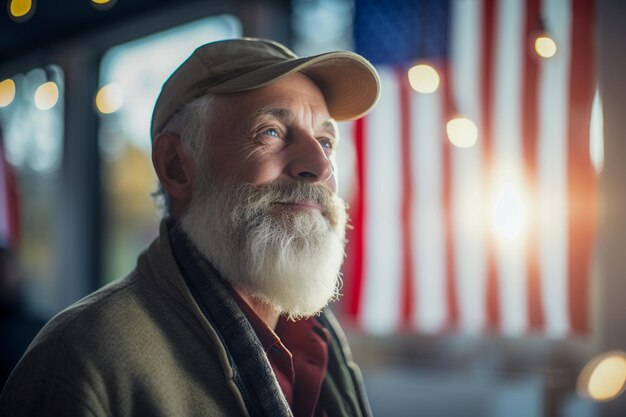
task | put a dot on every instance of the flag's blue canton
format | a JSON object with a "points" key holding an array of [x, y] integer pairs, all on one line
{"points": [[401, 31]]}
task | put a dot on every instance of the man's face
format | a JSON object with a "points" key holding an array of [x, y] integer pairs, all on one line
{"points": [[277, 134], [264, 209]]}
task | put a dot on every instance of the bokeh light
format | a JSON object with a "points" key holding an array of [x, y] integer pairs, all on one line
{"points": [[110, 98], [604, 377], [545, 46], [46, 96], [424, 78], [103, 5], [20, 10], [462, 132], [7, 92]]}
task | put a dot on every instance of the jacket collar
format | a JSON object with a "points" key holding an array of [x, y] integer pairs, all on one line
{"points": [[252, 372]]}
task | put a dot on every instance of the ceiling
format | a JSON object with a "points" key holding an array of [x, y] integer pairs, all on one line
{"points": [[55, 21]]}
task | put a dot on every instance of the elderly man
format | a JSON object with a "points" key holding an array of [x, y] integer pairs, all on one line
{"points": [[225, 311]]}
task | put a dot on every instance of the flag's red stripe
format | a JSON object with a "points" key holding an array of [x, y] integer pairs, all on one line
{"points": [[582, 189], [406, 300], [488, 40], [529, 150], [354, 274], [449, 111]]}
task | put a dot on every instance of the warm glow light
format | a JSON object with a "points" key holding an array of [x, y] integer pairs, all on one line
{"points": [[423, 78], [508, 215], [103, 5], [604, 377], [462, 132], [545, 46], [110, 98], [46, 96], [7, 92], [20, 8]]}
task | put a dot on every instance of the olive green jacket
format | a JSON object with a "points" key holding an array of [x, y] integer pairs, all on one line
{"points": [[142, 347]]}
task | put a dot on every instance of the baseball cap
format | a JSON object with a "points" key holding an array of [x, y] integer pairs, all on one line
{"points": [[349, 83]]}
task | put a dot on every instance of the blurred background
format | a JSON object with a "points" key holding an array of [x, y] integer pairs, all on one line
{"points": [[487, 189]]}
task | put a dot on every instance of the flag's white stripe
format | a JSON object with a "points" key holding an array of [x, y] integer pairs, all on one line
{"points": [[4, 203], [429, 281], [383, 233], [510, 257], [552, 169], [467, 167], [596, 133]]}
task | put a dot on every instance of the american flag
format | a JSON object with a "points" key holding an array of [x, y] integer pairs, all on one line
{"points": [[9, 221], [497, 237]]}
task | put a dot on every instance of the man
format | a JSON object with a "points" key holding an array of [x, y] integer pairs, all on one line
{"points": [[222, 314]]}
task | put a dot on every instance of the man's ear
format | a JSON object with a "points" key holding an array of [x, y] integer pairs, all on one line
{"points": [[173, 165]]}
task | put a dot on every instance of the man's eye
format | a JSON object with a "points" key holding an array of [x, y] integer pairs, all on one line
{"points": [[326, 143], [271, 132]]}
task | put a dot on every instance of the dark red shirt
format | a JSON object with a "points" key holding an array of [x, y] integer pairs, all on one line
{"points": [[298, 354]]}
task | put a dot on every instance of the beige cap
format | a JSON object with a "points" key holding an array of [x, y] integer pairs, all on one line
{"points": [[350, 84]]}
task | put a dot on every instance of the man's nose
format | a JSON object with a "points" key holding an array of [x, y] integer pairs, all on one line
{"points": [[309, 161]]}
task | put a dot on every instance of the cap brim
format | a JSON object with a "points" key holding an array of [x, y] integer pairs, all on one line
{"points": [[349, 82]]}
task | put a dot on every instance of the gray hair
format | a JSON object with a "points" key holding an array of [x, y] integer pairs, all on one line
{"points": [[191, 124]]}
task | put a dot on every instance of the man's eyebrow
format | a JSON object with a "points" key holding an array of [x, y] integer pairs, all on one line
{"points": [[331, 127], [278, 113]]}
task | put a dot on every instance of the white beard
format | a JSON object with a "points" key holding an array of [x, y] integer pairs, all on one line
{"points": [[289, 259]]}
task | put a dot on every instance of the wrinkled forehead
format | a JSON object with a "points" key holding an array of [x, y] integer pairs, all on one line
{"points": [[294, 99]]}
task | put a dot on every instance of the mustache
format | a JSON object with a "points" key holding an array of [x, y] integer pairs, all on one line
{"points": [[263, 197]]}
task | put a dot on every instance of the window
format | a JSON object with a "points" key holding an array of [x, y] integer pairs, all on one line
{"points": [[32, 123], [133, 73]]}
